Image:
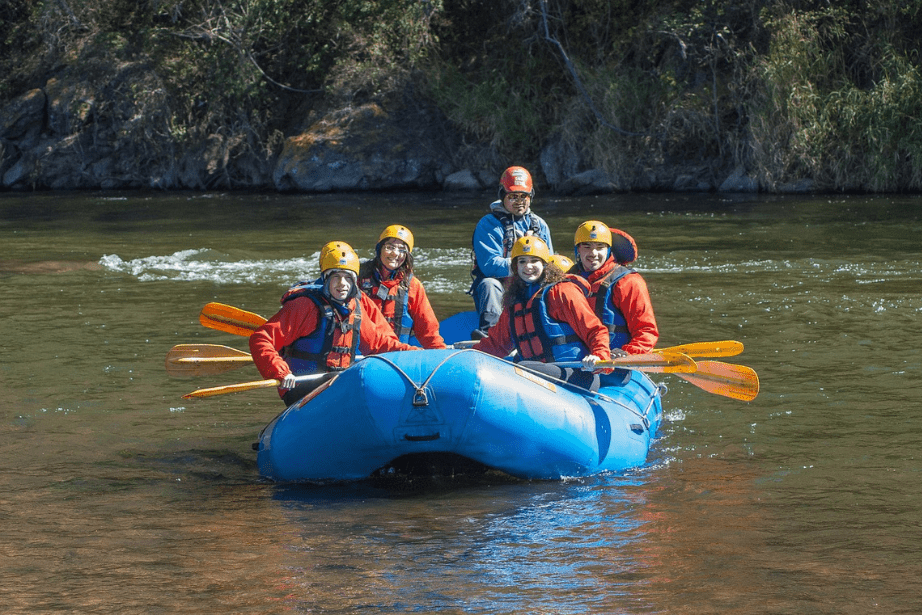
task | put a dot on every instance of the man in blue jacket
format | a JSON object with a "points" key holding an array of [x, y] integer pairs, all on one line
{"points": [[510, 217]]}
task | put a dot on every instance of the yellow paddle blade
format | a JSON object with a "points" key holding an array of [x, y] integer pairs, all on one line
{"points": [[726, 348], [654, 362], [229, 319], [734, 381], [232, 388], [204, 359], [249, 386]]}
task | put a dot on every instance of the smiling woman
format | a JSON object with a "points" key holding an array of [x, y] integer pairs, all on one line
{"points": [[546, 317], [391, 284]]}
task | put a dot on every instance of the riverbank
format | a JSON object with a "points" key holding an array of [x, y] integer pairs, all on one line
{"points": [[593, 98]]}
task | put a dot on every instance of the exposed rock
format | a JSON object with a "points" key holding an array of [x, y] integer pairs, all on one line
{"points": [[801, 186], [21, 120], [17, 174], [462, 180], [689, 182], [560, 161], [738, 181], [594, 181], [107, 124], [366, 148]]}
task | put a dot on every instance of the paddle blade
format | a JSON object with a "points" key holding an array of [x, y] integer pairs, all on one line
{"points": [[725, 348], [249, 386], [232, 388], [229, 319], [204, 359], [654, 362], [726, 379]]}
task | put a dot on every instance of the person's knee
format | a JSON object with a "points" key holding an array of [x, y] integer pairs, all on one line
{"points": [[488, 299], [488, 288]]}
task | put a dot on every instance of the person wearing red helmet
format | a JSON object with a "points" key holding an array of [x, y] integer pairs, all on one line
{"points": [[619, 294], [389, 282], [321, 327], [510, 217]]}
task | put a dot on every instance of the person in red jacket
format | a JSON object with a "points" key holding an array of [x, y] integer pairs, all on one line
{"points": [[546, 318], [388, 280], [321, 327], [619, 294]]}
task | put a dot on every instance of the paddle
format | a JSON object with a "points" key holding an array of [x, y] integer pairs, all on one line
{"points": [[654, 362], [230, 319], [247, 386], [726, 348], [727, 379], [204, 359]]}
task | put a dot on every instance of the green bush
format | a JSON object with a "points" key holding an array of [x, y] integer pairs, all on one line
{"points": [[839, 101]]}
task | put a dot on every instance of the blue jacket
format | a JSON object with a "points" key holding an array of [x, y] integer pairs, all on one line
{"points": [[492, 240]]}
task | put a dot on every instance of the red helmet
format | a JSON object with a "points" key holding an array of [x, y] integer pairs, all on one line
{"points": [[516, 179]]}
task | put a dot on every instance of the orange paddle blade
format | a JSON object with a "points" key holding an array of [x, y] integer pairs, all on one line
{"points": [[229, 319], [734, 381], [204, 359]]}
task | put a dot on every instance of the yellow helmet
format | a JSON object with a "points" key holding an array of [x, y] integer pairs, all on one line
{"points": [[333, 245], [343, 257], [398, 232], [563, 263], [530, 246], [592, 231]]}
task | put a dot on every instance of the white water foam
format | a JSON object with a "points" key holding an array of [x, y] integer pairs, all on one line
{"points": [[210, 265], [436, 267]]}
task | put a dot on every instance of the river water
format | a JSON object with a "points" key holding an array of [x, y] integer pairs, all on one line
{"points": [[118, 496]]}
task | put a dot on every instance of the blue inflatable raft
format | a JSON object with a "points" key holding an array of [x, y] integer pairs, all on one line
{"points": [[461, 403]]}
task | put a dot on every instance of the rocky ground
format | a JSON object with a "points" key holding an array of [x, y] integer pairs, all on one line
{"points": [[79, 133]]}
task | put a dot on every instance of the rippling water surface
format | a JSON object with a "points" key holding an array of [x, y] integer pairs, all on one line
{"points": [[116, 495]]}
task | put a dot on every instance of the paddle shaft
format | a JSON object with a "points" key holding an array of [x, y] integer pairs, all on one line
{"points": [[655, 362], [248, 386], [204, 359], [725, 379], [232, 361], [725, 348]]}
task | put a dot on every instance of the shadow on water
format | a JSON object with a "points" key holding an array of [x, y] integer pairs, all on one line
{"points": [[407, 477]]}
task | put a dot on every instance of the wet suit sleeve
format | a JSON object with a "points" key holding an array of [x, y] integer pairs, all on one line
{"points": [[567, 303], [376, 335], [295, 319], [499, 343], [425, 324], [631, 296]]}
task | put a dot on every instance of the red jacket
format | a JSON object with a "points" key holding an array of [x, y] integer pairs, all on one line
{"points": [[425, 324], [566, 303], [631, 297], [298, 317]]}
